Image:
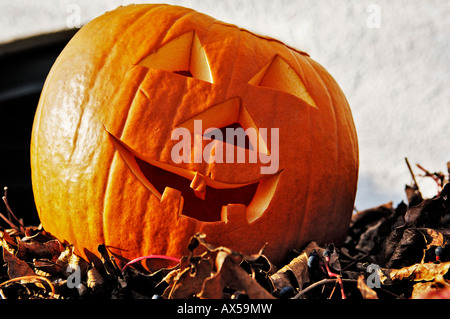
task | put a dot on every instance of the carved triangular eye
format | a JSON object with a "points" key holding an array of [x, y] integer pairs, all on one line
{"points": [[279, 75], [183, 55]]}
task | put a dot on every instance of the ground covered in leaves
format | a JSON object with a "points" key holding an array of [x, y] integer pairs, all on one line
{"points": [[390, 253]]}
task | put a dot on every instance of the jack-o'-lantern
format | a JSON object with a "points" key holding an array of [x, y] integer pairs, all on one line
{"points": [[130, 145]]}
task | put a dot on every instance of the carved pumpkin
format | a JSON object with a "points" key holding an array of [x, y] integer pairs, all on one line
{"points": [[102, 142]]}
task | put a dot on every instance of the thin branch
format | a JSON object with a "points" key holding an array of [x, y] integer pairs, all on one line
{"points": [[8, 221], [10, 212], [320, 283], [412, 174], [435, 176]]}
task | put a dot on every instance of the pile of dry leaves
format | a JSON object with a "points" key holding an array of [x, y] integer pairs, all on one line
{"points": [[390, 253]]}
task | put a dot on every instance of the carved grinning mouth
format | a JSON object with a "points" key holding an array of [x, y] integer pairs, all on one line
{"points": [[208, 204], [207, 209]]}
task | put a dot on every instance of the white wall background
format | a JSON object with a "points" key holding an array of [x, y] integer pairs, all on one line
{"points": [[390, 57]]}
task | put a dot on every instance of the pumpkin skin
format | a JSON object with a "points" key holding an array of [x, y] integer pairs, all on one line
{"points": [[112, 100]]}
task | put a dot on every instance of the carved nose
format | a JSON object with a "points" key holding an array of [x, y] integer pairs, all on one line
{"points": [[226, 114]]}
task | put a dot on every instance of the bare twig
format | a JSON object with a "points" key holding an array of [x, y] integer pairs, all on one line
{"points": [[437, 177], [338, 277], [332, 291], [10, 223], [412, 174], [10, 212], [320, 283], [355, 259]]}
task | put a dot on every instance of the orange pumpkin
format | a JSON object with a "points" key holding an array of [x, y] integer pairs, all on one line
{"points": [[102, 144]]}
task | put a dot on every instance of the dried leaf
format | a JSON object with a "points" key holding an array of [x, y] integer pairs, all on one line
{"points": [[230, 274], [430, 211], [6, 240], [433, 237], [366, 292], [16, 267], [297, 268], [416, 272], [55, 248], [207, 275], [409, 250], [413, 195], [437, 289], [32, 249], [420, 289], [108, 262], [390, 244], [37, 234], [443, 293], [48, 266], [70, 261], [368, 217], [367, 240], [94, 279], [187, 282], [261, 269]]}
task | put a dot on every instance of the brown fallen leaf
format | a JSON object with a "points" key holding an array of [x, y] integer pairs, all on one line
{"points": [[187, 281], [367, 240], [55, 248], [48, 266], [437, 289], [408, 250], [416, 272], [368, 217], [430, 211], [69, 261], [369, 229], [94, 279], [230, 274], [16, 267], [413, 195], [433, 237], [207, 275], [443, 293], [366, 291], [421, 288], [27, 250], [297, 268], [6, 240]]}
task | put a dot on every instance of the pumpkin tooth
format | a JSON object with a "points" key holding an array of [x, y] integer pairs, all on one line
{"points": [[198, 184], [172, 198], [263, 197], [234, 214]]}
